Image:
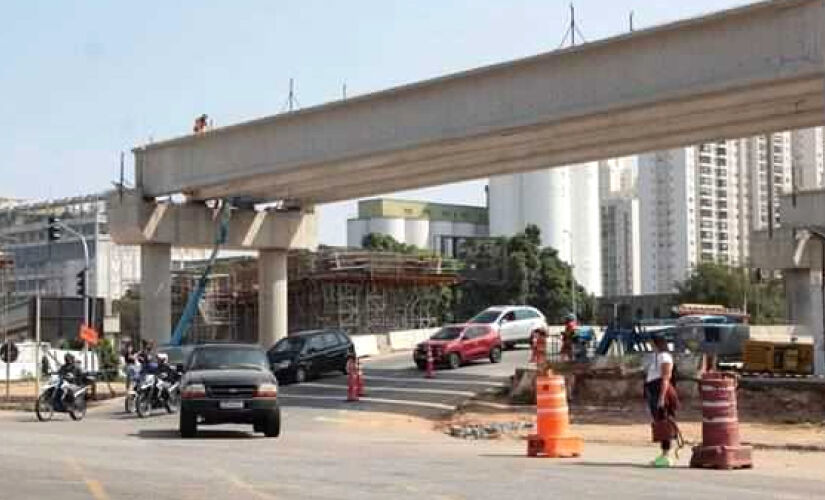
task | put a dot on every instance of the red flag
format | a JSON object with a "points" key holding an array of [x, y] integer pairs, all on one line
{"points": [[89, 335]]}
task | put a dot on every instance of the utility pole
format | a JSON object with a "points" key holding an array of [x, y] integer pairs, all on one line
{"points": [[83, 276], [769, 173], [572, 25], [573, 301], [631, 21], [37, 373]]}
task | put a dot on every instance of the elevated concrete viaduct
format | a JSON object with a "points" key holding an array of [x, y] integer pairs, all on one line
{"points": [[157, 227], [735, 73]]}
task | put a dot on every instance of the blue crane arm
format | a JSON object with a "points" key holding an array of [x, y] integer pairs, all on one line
{"points": [[191, 308]]}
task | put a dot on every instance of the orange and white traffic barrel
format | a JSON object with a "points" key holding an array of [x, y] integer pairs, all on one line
{"points": [[721, 447], [552, 438]]}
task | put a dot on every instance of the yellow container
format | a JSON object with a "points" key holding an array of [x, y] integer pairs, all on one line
{"points": [[758, 356]]}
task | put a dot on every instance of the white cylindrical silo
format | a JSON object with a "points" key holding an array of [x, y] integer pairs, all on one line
{"points": [[557, 221], [543, 194], [356, 230], [417, 232], [504, 197], [584, 193], [392, 226]]}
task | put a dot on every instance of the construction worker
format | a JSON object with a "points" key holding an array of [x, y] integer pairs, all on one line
{"points": [[661, 397], [567, 336], [200, 124]]}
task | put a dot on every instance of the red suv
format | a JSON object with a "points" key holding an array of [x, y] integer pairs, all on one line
{"points": [[457, 344]]}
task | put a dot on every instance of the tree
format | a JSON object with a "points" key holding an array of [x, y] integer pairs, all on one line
{"points": [[518, 270], [733, 287], [378, 242]]}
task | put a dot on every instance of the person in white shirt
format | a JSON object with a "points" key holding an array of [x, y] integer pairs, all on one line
{"points": [[659, 391]]}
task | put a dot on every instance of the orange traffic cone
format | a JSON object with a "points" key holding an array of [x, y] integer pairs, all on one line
{"points": [[352, 380], [552, 438], [359, 379], [430, 372]]}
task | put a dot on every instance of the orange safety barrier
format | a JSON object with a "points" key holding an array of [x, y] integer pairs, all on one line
{"points": [[430, 371], [360, 378], [352, 379], [552, 438], [721, 447]]}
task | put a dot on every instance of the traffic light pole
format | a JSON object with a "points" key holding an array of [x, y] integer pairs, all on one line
{"points": [[85, 281]]}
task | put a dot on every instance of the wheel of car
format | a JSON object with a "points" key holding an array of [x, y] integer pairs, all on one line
{"points": [[43, 407], [78, 410], [300, 375], [143, 405], [272, 424], [495, 354], [453, 360], [188, 424]]}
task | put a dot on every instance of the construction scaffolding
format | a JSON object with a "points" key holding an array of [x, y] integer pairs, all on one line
{"points": [[354, 291], [219, 311], [366, 292]]}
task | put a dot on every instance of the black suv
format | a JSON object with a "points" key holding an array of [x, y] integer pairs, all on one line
{"points": [[229, 383], [307, 354]]}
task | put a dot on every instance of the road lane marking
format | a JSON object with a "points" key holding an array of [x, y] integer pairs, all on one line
{"points": [[403, 402], [94, 486], [436, 381], [239, 483], [398, 389]]}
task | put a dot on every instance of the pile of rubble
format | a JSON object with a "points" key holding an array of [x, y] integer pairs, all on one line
{"points": [[492, 430]]}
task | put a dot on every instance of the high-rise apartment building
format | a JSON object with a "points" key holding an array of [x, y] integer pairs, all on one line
{"points": [[620, 229], [700, 203], [808, 147]]}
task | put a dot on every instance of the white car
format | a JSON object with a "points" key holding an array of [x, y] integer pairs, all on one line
{"points": [[515, 324]]}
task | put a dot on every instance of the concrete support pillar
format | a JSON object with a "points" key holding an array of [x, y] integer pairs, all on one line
{"points": [[272, 296], [155, 292], [804, 294]]}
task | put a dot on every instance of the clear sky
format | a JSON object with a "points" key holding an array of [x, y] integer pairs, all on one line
{"points": [[82, 81]]}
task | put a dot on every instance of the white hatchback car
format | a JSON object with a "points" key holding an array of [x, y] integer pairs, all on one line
{"points": [[515, 324]]}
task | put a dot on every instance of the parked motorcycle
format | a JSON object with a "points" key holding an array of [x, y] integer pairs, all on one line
{"points": [[156, 391], [58, 396]]}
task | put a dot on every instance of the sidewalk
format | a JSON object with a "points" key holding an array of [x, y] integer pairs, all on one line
{"points": [[22, 394]]}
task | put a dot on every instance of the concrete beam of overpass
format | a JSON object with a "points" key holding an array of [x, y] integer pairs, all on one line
{"points": [[134, 221], [731, 74]]}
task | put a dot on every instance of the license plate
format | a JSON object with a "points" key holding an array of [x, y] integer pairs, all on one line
{"points": [[230, 405]]}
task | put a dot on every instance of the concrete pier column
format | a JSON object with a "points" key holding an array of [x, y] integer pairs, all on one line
{"points": [[272, 296], [804, 294], [155, 292]]}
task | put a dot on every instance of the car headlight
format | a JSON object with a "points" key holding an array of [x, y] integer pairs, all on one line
{"points": [[192, 391], [266, 391], [284, 364]]}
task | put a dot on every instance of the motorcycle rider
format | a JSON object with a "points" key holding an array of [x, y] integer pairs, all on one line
{"points": [[72, 376], [165, 371]]}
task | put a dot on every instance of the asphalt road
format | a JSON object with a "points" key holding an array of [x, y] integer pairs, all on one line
{"points": [[381, 447]]}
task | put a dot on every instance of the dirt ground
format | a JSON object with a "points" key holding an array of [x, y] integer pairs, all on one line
{"points": [[761, 427]]}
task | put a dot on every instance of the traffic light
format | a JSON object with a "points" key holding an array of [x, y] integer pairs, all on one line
{"points": [[81, 283], [55, 231]]}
